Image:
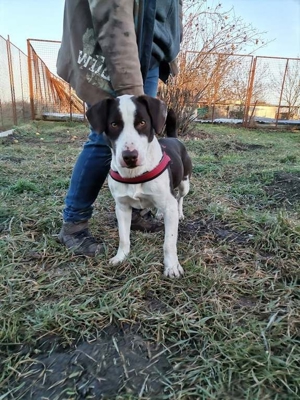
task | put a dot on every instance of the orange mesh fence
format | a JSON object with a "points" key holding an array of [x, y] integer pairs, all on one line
{"points": [[240, 87], [51, 95], [276, 88]]}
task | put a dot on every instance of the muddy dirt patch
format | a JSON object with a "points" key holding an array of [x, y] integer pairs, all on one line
{"points": [[198, 135], [245, 302], [16, 160], [212, 229], [42, 139], [115, 364], [285, 188], [239, 146]]}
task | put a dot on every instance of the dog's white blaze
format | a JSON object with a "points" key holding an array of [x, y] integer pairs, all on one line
{"points": [[130, 139]]}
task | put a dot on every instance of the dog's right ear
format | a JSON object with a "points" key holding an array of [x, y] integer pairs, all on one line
{"points": [[97, 115], [157, 110]]}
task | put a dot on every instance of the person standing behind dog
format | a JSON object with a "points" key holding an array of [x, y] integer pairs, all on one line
{"points": [[110, 48]]}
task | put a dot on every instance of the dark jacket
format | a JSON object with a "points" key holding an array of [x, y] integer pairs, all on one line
{"points": [[108, 46]]}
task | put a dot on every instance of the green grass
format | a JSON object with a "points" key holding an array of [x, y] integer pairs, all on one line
{"points": [[229, 329]]}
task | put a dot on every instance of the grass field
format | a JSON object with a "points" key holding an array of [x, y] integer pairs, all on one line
{"points": [[76, 328]]}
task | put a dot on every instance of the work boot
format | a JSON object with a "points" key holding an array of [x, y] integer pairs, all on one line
{"points": [[144, 221], [77, 238]]}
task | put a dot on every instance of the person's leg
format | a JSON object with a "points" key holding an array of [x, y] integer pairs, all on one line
{"points": [[89, 174], [151, 83]]}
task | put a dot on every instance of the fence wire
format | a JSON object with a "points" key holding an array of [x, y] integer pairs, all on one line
{"points": [[231, 86], [14, 88], [52, 97], [276, 88], [227, 86]]}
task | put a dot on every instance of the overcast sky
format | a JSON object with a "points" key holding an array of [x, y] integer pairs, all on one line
{"points": [[42, 19]]}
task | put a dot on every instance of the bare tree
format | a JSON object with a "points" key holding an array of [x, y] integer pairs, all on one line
{"points": [[211, 36], [213, 29]]}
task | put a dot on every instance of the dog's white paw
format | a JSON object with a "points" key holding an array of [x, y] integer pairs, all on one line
{"points": [[116, 260], [181, 217], [159, 215], [174, 271]]}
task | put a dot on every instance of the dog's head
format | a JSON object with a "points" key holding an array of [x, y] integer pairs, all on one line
{"points": [[129, 124]]}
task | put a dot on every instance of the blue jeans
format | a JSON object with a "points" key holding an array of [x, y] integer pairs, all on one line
{"points": [[92, 166]]}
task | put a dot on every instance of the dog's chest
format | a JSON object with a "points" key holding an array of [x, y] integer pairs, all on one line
{"points": [[135, 192], [134, 195]]}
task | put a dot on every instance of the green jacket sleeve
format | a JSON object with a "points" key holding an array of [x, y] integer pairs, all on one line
{"points": [[113, 22]]}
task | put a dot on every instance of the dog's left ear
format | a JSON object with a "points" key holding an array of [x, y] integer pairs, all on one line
{"points": [[157, 110], [97, 115]]}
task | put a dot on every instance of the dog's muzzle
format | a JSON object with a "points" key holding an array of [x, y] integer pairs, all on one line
{"points": [[130, 158]]}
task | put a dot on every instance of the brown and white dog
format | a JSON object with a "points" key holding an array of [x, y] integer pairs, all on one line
{"points": [[144, 170]]}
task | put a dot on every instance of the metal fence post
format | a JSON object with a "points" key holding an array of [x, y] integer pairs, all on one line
{"points": [[12, 83], [21, 81], [1, 114], [281, 91], [30, 81], [70, 94], [249, 91]]}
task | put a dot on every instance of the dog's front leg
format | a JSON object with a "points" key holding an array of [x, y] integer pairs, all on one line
{"points": [[172, 266], [123, 213]]}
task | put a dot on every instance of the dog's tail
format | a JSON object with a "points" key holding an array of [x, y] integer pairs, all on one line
{"points": [[171, 124]]}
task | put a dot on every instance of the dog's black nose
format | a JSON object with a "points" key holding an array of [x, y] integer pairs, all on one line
{"points": [[130, 157]]}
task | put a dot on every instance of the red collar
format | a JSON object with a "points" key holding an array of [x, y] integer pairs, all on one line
{"points": [[147, 176]]}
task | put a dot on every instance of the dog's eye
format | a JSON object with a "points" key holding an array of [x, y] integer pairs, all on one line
{"points": [[114, 125], [142, 123]]}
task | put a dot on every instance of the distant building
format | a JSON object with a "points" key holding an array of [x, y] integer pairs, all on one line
{"points": [[236, 110]]}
